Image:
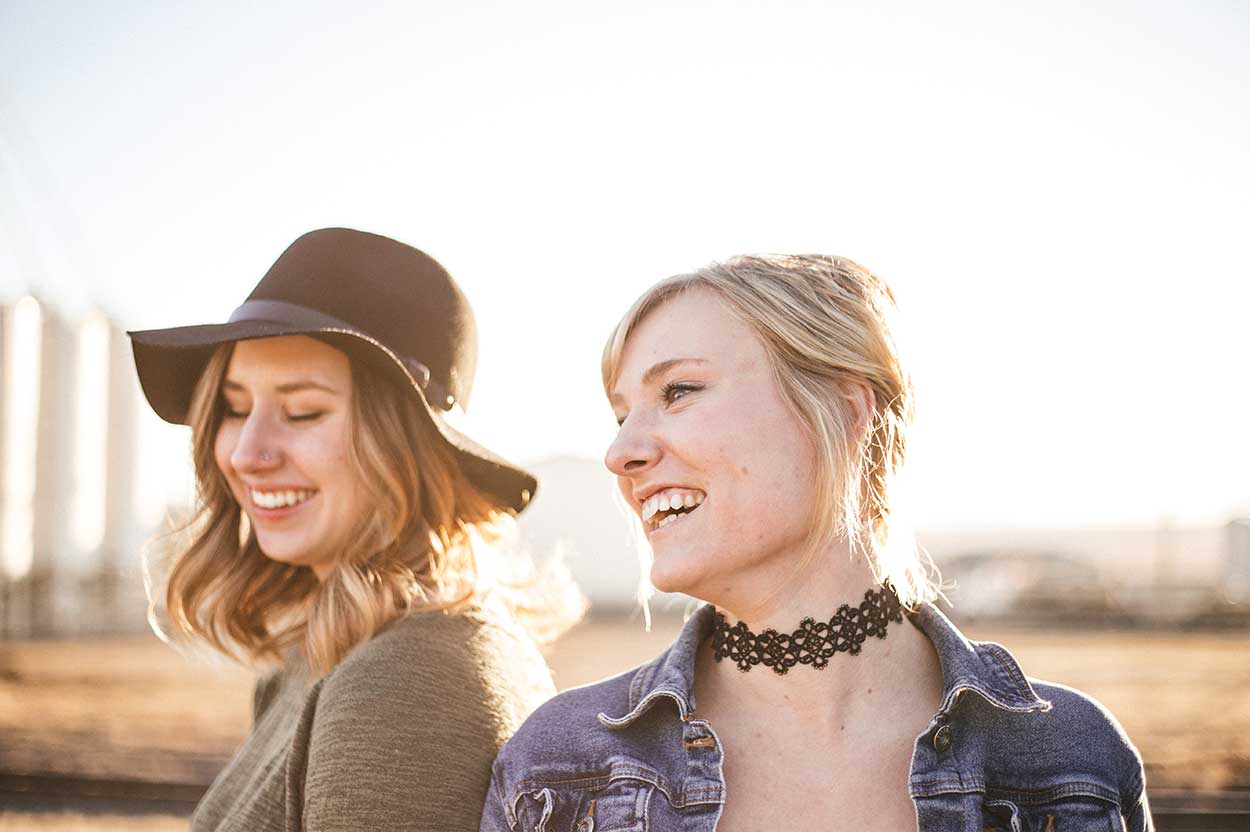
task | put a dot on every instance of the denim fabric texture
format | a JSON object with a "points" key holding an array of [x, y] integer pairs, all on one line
{"points": [[1002, 753]]}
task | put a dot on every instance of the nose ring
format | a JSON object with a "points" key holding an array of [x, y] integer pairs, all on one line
{"points": [[264, 456]]}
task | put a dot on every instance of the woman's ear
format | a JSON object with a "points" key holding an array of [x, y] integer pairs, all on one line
{"points": [[858, 393]]}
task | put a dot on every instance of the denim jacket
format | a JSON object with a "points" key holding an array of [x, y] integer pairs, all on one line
{"points": [[1001, 753]]}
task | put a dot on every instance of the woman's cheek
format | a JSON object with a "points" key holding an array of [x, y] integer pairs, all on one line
{"points": [[223, 448]]}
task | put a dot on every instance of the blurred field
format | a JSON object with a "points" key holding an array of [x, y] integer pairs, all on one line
{"points": [[134, 709], [17, 821]]}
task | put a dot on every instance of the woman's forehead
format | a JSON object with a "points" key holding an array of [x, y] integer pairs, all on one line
{"points": [[285, 357], [693, 325]]}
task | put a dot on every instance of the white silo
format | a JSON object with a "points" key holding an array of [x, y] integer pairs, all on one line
{"points": [[22, 334], [134, 504], [54, 575], [1237, 564]]}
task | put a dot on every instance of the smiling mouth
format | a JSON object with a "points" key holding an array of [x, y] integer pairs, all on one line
{"points": [[669, 506], [279, 499]]}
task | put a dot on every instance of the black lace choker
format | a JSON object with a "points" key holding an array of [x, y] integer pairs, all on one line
{"points": [[813, 642]]}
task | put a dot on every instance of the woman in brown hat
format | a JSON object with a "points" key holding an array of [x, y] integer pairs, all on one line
{"points": [[340, 524]]}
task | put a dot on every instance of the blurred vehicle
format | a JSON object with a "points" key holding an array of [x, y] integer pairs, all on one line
{"points": [[1029, 585]]}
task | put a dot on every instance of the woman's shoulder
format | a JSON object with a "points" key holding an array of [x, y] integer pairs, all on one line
{"points": [[567, 723], [1060, 756], [1078, 710], [455, 638], [1069, 738], [1040, 715], [592, 719], [1025, 731], [485, 658], [1081, 725]]}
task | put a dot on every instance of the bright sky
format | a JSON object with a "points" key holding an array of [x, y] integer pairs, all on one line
{"points": [[1059, 194]]}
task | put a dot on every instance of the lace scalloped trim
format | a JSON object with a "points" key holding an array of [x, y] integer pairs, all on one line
{"points": [[814, 642]]}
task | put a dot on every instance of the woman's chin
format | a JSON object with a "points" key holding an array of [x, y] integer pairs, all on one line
{"points": [[287, 555], [666, 578], [282, 558]]}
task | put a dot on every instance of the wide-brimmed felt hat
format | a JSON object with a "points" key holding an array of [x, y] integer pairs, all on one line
{"points": [[377, 299]]}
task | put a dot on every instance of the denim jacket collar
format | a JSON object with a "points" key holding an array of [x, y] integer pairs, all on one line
{"points": [[670, 674], [983, 668]]}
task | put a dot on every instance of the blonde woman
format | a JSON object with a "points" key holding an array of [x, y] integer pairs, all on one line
{"points": [[763, 409], [340, 524]]}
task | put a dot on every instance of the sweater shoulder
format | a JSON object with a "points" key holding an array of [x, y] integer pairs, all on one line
{"points": [[457, 641], [440, 661]]}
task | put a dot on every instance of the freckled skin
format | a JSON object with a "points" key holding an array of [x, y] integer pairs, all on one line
{"points": [[265, 448], [734, 437]]}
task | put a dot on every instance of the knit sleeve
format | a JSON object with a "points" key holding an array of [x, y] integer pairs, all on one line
{"points": [[406, 729], [266, 688]]}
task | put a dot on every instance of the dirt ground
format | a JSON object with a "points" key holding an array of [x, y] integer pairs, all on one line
{"points": [[74, 822], [132, 708]]}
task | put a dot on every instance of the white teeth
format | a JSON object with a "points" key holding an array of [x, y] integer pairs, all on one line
{"points": [[670, 500], [279, 499]]}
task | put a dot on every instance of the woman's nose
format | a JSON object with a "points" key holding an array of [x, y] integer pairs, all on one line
{"points": [[256, 448], [633, 451]]}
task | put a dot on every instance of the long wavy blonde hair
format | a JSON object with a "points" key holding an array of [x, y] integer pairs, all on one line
{"points": [[417, 549], [824, 322]]}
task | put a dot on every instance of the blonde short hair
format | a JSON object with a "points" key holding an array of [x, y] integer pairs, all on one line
{"points": [[824, 323], [416, 550]]}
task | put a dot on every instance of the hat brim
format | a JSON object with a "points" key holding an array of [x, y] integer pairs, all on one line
{"points": [[170, 362]]}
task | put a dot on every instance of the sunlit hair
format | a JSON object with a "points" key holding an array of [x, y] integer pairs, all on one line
{"points": [[416, 550], [825, 325]]}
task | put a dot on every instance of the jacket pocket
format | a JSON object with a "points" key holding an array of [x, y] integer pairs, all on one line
{"points": [[593, 804], [1069, 814]]}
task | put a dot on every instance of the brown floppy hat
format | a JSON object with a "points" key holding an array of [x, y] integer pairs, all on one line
{"points": [[380, 301]]}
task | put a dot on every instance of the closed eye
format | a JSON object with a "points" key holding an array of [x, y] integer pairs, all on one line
{"points": [[230, 413]]}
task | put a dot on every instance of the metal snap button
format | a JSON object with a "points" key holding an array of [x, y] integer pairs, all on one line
{"points": [[942, 739]]}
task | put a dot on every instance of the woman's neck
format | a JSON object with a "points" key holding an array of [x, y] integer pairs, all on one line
{"points": [[889, 676]]}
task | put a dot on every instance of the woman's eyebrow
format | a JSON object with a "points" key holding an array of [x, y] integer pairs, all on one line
{"points": [[289, 387], [659, 369], [662, 367]]}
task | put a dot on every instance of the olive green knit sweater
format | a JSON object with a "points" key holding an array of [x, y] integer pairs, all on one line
{"points": [[400, 735]]}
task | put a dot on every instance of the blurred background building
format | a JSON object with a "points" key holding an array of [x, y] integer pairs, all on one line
{"points": [[72, 520]]}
